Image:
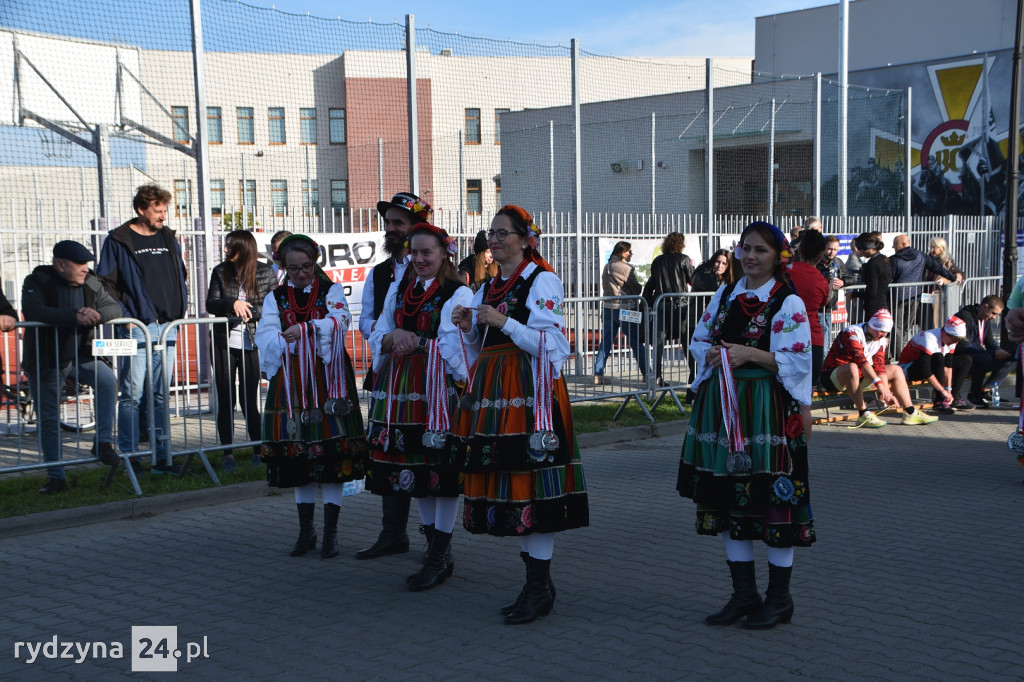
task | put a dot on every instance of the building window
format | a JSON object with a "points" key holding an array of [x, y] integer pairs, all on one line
{"points": [[472, 126], [182, 198], [337, 126], [497, 192], [307, 126], [214, 131], [279, 196], [248, 194], [179, 118], [339, 196], [216, 197], [311, 203], [245, 128], [497, 125], [474, 201], [275, 115]]}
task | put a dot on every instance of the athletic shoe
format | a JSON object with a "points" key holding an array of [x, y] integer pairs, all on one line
{"points": [[944, 407], [980, 400], [961, 405], [870, 421], [918, 418]]}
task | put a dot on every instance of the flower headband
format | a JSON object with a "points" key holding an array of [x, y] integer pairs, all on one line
{"points": [[276, 256], [533, 232], [420, 208], [446, 240]]}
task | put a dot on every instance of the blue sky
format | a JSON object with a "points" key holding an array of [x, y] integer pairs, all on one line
{"points": [[702, 28]]}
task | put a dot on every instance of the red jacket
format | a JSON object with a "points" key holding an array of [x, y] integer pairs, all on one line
{"points": [[814, 290], [852, 346]]}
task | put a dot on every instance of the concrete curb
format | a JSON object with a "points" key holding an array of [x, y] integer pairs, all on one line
{"points": [[148, 506]]}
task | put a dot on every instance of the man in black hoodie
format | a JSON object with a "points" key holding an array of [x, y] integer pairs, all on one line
{"points": [[909, 265]]}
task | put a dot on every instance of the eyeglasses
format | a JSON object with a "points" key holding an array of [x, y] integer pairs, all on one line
{"points": [[294, 269], [499, 235]]}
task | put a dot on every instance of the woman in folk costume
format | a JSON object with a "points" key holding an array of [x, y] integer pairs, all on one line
{"points": [[514, 434], [312, 426], [744, 461], [414, 347]]}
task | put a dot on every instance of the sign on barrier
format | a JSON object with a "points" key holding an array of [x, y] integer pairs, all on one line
{"points": [[633, 316], [112, 347]]}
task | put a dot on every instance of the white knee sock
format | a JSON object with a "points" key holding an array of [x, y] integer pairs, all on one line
{"points": [[447, 508], [739, 550], [524, 546], [305, 494], [427, 509], [331, 493], [540, 545], [780, 556]]}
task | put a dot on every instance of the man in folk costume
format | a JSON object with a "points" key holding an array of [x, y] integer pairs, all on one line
{"points": [[403, 211]]}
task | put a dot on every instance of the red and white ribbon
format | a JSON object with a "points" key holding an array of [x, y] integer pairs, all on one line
{"points": [[1020, 416], [543, 389], [307, 364], [286, 366], [471, 371], [437, 390], [336, 386], [730, 406]]}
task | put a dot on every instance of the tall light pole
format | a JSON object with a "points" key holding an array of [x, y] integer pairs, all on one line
{"points": [[1013, 176]]}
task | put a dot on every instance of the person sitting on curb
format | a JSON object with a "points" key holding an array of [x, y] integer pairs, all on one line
{"points": [[929, 357], [856, 361]]}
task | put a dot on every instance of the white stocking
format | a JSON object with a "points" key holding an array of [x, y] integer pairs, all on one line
{"points": [[739, 550], [780, 556], [331, 493], [447, 510], [305, 494], [540, 545], [428, 510]]}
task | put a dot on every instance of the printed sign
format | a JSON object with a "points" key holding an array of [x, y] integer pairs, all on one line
{"points": [[111, 347]]}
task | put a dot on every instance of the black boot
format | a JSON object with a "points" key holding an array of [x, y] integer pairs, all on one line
{"points": [[538, 599], [435, 570], [745, 599], [509, 608], [329, 547], [307, 536], [778, 604], [392, 539], [428, 534]]}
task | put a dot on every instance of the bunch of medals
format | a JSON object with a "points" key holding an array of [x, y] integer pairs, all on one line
{"points": [[543, 439], [438, 422], [305, 349], [1016, 440], [738, 460], [337, 402]]}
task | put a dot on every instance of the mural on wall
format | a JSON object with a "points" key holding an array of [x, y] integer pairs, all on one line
{"points": [[960, 132]]}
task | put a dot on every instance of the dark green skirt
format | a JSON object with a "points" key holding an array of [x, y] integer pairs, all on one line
{"points": [[770, 501]]}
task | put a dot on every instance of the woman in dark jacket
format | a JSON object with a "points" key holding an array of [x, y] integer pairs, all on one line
{"points": [[671, 273], [237, 289], [714, 272], [876, 273]]}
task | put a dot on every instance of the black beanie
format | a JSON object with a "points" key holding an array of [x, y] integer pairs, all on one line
{"points": [[480, 243]]}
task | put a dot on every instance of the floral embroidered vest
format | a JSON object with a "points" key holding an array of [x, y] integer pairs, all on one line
{"points": [[514, 304], [426, 320], [290, 317], [733, 325]]}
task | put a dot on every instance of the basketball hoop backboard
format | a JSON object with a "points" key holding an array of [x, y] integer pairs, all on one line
{"points": [[83, 72]]}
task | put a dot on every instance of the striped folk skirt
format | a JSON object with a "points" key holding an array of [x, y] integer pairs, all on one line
{"points": [[511, 489], [399, 463], [769, 501], [332, 451]]}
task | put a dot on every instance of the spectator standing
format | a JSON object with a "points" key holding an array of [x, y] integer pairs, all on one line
{"points": [[744, 461], [68, 296], [714, 272], [618, 278], [279, 274], [142, 268], [480, 267], [856, 361], [929, 357], [939, 250], [8, 315], [835, 273], [813, 290], [990, 364], [671, 273], [876, 273], [910, 265], [403, 211], [238, 287], [301, 341]]}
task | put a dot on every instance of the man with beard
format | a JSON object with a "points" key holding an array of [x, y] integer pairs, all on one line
{"points": [[403, 211]]}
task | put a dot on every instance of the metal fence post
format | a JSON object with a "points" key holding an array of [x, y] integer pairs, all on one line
{"points": [[817, 144], [410, 68], [709, 155], [907, 149]]}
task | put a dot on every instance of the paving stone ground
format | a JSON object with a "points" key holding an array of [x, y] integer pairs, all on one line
{"points": [[916, 576]]}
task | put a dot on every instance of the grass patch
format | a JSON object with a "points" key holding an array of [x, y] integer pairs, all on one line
{"points": [[19, 494], [597, 416]]}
